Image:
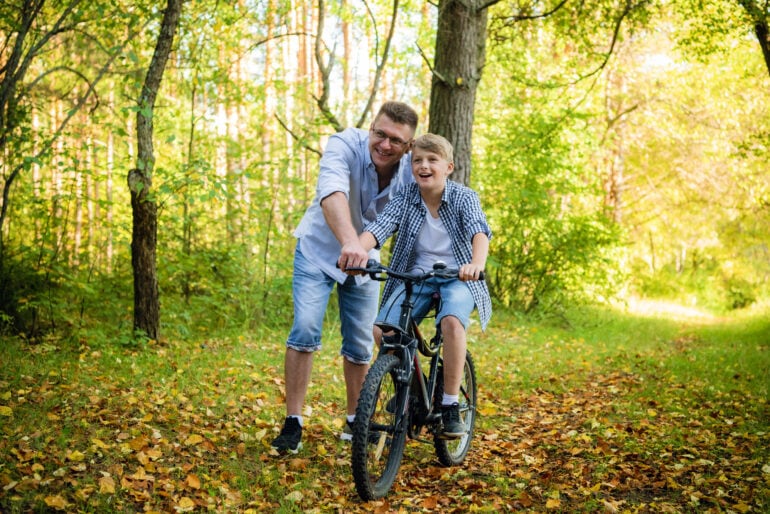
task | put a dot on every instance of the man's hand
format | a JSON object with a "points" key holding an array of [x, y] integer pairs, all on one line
{"points": [[353, 255]]}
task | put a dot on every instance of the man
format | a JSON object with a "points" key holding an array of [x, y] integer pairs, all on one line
{"points": [[359, 172]]}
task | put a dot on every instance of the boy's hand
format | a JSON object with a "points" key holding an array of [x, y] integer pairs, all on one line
{"points": [[352, 255], [469, 272]]}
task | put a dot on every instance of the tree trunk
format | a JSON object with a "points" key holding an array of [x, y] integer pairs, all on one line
{"points": [[145, 212], [758, 15], [460, 52]]}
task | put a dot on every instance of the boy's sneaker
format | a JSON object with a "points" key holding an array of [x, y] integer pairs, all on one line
{"points": [[347, 432], [290, 438], [453, 425]]}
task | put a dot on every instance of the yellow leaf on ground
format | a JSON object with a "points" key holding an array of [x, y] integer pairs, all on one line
{"points": [[185, 505], [552, 503], [101, 444], [6, 411], [56, 502], [107, 485], [193, 481], [294, 496], [76, 456], [193, 439]]}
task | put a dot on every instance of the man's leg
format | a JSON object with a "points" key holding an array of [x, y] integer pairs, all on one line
{"points": [[311, 289], [297, 369], [354, 380], [358, 308]]}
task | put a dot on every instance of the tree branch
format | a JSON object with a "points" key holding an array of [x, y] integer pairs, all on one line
{"points": [[303, 142], [381, 64]]}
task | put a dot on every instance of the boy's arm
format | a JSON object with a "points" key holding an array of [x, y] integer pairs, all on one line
{"points": [[367, 240], [480, 244]]}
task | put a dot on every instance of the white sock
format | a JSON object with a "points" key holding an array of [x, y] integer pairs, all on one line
{"points": [[351, 418], [298, 418], [449, 399]]}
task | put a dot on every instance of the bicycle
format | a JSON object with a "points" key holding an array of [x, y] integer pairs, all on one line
{"points": [[398, 399]]}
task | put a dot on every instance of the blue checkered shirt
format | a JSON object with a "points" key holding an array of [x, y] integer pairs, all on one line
{"points": [[460, 211]]}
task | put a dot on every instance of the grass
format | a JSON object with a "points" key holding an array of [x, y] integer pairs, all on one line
{"points": [[644, 410]]}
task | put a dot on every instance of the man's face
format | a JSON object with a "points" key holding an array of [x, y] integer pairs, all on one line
{"points": [[388, 142]]}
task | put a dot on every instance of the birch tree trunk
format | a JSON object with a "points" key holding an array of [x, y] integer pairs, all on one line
{"points": [[145, 211]]}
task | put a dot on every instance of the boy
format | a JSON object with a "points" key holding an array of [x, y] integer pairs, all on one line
{"points": [[436, 220]]}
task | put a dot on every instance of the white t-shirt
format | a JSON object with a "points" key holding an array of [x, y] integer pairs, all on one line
{"points": [[433, 244]]}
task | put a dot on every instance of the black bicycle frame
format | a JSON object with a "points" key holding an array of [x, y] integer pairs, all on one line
{"points": [[406, 343]]}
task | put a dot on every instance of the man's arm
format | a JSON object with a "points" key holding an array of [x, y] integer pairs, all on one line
{"points": [[337, 214]]}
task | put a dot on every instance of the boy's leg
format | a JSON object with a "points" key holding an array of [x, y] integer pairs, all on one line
{"points": [[454, 313], [455, 346]]}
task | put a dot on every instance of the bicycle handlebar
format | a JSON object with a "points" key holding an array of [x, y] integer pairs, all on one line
{"points": [[375, 270]]}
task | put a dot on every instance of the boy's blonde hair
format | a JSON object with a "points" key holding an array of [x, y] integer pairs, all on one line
{"points": [[436, 144]]}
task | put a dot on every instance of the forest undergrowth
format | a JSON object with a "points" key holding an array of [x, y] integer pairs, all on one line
{"points": [[608, 411]]}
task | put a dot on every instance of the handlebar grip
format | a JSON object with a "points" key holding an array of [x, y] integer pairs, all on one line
{"points": [[481, 275]]}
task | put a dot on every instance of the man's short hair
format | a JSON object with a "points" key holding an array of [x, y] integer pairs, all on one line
{"points": [[399, 112], [436, 144]]}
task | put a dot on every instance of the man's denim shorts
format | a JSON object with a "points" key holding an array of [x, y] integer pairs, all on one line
{"points": [[311, 288]]}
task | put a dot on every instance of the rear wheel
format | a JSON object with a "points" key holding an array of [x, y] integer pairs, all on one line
{"points": [[379, 435], [452, 452]]}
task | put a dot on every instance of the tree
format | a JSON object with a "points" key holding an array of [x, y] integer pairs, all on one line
{"points": [[460, 50], [759, 15], [144, 235], [27, 37]]}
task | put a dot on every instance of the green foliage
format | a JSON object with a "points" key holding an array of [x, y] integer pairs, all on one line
{"points": [[552, 242], [703, 282]]}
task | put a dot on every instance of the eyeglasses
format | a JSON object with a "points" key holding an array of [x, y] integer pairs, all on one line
{"points": [[395, 142]]}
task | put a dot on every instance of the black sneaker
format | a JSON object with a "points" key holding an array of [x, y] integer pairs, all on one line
{"points": [[290, 438], [453, 425]]}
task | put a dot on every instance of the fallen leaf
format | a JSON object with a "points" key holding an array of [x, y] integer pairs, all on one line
{"points": [[76, 456], [193, 439], [294, 496], [193, 481], [185, 505], [56, 502]]}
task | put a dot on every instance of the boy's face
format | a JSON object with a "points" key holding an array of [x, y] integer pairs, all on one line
{"points": [[430, 169]]}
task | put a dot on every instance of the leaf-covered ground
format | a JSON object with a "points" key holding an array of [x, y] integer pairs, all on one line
{"points": [[170, 428]]}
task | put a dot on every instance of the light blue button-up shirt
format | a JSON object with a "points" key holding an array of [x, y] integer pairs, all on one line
{"points": [[346, 166]]}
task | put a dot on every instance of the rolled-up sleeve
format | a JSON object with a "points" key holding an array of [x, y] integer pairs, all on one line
{"points": [[475, 221], [335, 165]]}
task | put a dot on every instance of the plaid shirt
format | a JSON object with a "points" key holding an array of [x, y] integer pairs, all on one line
{"points": [[461, 213]]}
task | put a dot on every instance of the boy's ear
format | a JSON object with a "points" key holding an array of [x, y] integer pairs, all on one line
{"points": [[450, 168]]}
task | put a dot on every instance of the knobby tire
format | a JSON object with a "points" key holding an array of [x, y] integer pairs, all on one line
{"points": [[378, 444]]}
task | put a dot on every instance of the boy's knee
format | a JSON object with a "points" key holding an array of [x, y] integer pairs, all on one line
{"points": [[451, 323]]}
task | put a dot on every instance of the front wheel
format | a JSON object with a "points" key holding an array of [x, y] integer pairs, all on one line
{"points": [[379, 432], [451, 452]]}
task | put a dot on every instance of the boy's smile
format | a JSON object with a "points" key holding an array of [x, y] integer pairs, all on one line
{"points": [[430, 170]]}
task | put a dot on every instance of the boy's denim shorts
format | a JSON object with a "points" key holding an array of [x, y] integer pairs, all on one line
{"points": [[456, 300], [311, 288]]}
